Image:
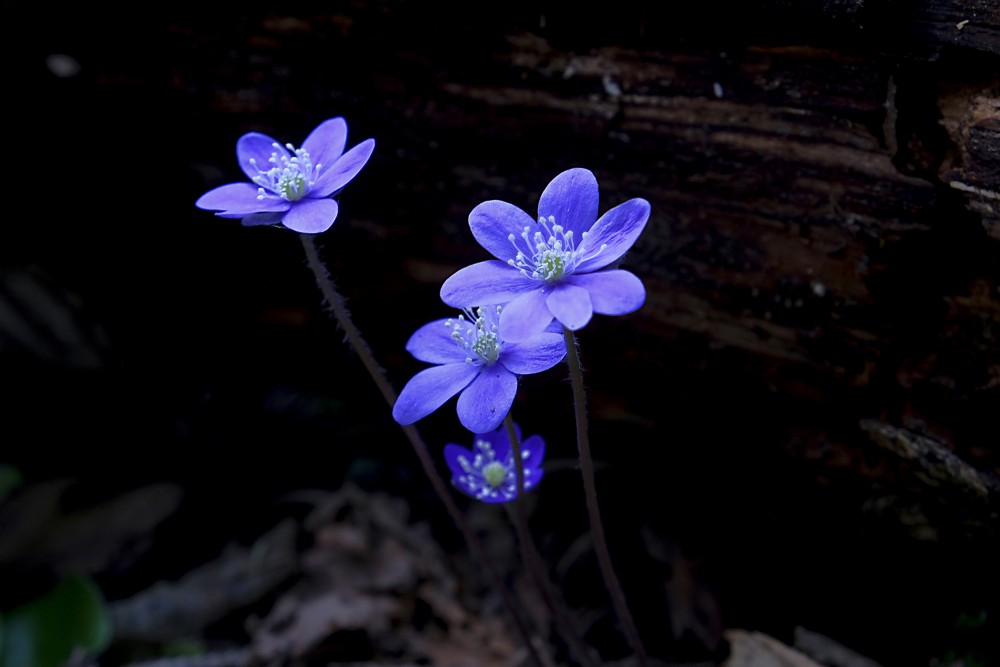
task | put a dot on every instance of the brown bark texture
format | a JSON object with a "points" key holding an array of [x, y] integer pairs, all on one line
{"points": [[820, 345]]}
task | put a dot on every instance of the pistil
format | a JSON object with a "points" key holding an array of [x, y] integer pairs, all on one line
{"points": [[549, 256], [290, 176], [481, 340]]}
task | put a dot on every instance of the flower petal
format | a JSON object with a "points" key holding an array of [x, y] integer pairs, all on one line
{"points": [[258, 219], [572, 199], [472, 485], [335, 176], [452, 452], [311, 216], [433, 343], [570, 305], [429, 389], [618, 228], [532, 476], [239, 199], [499, 441], [533, 453], [502, 495], [614, 292], [492, 222], [326, 143], [525, 316], [258, 147], [483, 283], [483, 405], [534, 355]]}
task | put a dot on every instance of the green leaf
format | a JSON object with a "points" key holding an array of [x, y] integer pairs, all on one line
{"points": [[46, 631]]}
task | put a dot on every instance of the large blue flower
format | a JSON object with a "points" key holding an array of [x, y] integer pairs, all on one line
{"points": [[556, 267], [472, 358], [290, 185], [486, 472]]}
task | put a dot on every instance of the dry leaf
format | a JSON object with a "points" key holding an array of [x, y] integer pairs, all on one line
{"points": [[755, 649]]}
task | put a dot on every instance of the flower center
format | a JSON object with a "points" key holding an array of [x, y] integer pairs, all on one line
{"points": [[488, 478], [479, 338], [495, 474], [291, 177], [485, 476], [547, 255]]}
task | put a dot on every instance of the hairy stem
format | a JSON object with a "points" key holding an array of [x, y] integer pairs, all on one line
{"points": [[360, 347], [533, 560], [593, 510]]}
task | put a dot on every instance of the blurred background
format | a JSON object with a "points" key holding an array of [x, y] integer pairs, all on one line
{"points": [[796, 436]]}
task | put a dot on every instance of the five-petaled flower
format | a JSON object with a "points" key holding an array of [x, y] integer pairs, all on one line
{"points": [[472, 358], [487, 471], [290, 185], [556, 267]]}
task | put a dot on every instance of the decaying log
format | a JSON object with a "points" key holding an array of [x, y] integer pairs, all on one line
{"points": [[822, 262]]}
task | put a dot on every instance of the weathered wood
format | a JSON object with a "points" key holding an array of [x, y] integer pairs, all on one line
{"points": [[823, 175], [824, 249]]}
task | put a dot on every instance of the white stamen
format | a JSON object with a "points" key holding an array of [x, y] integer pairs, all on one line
{"points": [[480, 338], [486, 476], [290, 177], [549, 254]]}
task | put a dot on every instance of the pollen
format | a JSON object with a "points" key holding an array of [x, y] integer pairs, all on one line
{"points": [[478, 335], [495, 474], [485, 476], [548, 253], [290, 173]]}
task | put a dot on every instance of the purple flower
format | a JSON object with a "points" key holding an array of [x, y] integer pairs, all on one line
{"points": [[473, 359], [290, 185], [487, 471], [558, 267]]}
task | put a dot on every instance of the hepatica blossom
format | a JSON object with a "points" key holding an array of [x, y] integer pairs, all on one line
{"points": [[558, 266], [471, 357], [290, 185], [486, 472]]}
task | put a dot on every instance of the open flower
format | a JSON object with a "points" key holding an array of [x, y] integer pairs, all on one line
{"points": [[487, 471], [472, 358], [290, 185], [556, 267]]}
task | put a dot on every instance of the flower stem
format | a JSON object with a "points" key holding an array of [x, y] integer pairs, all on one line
{"points": [[360, 347], [533, 560], [593, 510]]}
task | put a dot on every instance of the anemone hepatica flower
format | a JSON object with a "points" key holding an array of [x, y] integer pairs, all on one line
{"points": [[556, 267], [486, 472], [290, 185], [473, 359]]}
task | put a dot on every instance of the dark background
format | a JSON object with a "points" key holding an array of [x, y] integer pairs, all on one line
{"points": [[793, 291]]}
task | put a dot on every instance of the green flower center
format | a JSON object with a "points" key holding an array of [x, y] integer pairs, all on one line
{"points": [[293, 186], [290, 173], [548, 253], [480, 341], [551, 264], [495, 474]]}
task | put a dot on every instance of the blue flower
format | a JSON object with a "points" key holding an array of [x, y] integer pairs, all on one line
{"points": [[487, 471], [290, 185], [472, 358], [558, 267]]}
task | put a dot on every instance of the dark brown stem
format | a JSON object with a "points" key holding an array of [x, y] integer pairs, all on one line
{"points": [[533, 560], [593, 510], [360, 347]]}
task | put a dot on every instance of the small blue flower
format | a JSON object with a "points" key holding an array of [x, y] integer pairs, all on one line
{"points": [[487, 471], [290, 185], [472, 358], [558, 267]]}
